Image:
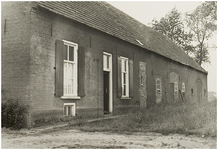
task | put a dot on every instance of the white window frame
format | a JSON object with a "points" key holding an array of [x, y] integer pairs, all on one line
{"points": [[73, 107], [74, 95], [107, 64], [175, 88], [126, 72], [183, 87]]}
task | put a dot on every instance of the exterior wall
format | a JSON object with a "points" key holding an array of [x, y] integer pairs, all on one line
{"points": [[15, 51], [142, 85], [160, 67], [47, 27]]}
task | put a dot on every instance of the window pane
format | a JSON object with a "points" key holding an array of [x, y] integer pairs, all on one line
{"points": [[124, 65], [70, 70], [73, 66], [72, 83], [124, 78], [107, 62], [183, 87], [69, 111], [158, 84], [65, 78], [123, 69], [124, 90], [71, 53], [69, 87], [176, 88]]}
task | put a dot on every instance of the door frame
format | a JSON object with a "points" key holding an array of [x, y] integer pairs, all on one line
{"points": [[110, 79]]}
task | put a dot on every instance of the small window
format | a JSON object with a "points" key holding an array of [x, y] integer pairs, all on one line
{"points": [[158, 86], [175, 88], [69, 109], [106, 61], [125, 76], [192, 91], [183, 87]]}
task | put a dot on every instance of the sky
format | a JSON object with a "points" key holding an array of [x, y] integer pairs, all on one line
{"points": [[146, 11]]}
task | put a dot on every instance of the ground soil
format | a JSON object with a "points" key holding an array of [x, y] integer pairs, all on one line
{"points": [[69, 139]]}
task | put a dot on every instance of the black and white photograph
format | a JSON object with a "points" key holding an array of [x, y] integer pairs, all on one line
{"points": [[108, 74]]}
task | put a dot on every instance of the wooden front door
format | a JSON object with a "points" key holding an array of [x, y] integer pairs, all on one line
{"points": [[106, 92]]}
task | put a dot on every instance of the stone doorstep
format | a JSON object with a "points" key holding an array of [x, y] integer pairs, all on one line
{"points": [[50, 127]]}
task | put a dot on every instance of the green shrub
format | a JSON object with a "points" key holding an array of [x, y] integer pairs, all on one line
{"points": [[13, 114]]}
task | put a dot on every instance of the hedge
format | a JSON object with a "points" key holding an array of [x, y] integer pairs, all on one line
{"points": [[13, 114]]}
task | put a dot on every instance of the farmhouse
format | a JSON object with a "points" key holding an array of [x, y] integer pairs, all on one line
{"points": [[89, 58]]}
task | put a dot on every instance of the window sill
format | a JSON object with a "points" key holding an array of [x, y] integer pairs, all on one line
{"points": [[70, 97], [125, 98]]}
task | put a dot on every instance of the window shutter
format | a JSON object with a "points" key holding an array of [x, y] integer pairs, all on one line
{"points": [[81, 71], [131, 78], [65, 110], [119, 88], [59, 53]]}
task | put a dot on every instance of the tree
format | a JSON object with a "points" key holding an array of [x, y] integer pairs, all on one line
{"points": [[172, 26], [202, 24]]}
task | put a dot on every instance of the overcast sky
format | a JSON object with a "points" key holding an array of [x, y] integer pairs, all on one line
{"points": [[146, 11]]}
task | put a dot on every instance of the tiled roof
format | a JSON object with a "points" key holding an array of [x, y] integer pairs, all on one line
{"points": [[104, 17]]}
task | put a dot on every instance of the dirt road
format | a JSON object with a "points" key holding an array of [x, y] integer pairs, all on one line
{"points": [[77, 139]]}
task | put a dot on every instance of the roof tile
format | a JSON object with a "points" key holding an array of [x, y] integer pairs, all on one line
{"points": [[104, 17]]}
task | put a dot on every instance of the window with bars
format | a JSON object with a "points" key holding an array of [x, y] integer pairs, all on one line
{"points": [[69, 109], [125, 76]]}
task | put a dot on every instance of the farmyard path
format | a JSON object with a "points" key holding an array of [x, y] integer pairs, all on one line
{"points": [[62, 139]]}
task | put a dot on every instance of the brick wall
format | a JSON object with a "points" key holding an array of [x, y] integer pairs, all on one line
{"points": [[15, 50]]}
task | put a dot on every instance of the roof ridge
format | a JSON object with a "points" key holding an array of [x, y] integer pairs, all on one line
{"points": [[124, 13]]}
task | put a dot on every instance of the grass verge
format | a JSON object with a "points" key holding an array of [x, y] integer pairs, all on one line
{"points": [[186, 118]]}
